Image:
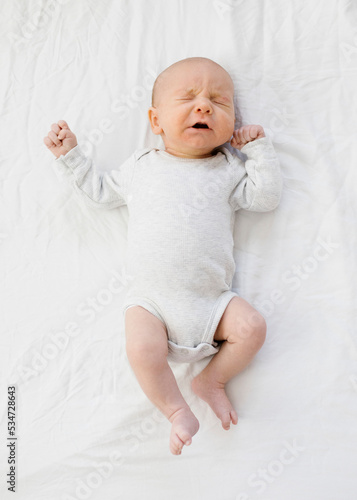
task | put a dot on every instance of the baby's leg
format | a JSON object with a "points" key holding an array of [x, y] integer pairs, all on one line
{"points": [[243, 331], [147, 348]]}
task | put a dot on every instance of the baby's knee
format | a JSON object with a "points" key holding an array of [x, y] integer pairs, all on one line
{"points": [[259, 329], [252, 330]]}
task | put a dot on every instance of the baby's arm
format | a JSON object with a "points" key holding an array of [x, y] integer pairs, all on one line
{"points": [[103, 189], [259, 183]]}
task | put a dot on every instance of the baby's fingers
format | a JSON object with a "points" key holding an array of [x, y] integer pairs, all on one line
{"points": [[235, 139], [63, 124], [55, 128], [54, 138], [245, 134], [48, 142], [255, 132], [65, 131]]}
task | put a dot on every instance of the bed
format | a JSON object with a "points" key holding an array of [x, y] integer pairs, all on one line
{"points": [[84, 428]]}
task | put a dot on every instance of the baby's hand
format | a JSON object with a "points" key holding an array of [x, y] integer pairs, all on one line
{"points": [[246, 134], [60, 139]]}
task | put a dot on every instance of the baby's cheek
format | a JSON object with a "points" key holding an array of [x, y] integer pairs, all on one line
{"points": [[229, 131], [229, 123]]}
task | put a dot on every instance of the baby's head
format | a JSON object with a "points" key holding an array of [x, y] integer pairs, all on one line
{"points": [[193, 107]]}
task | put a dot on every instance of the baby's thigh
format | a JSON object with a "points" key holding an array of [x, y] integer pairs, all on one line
{"points": [[144, 331], [240, 320]]}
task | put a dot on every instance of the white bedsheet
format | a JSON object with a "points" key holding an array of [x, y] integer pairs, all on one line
{"points": [[84, 428]]}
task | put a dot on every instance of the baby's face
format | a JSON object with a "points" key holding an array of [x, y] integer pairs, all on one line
{"points": [[194, 112]]}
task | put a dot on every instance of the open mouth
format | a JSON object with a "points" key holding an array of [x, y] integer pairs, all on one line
{"points": [[200, 125]]}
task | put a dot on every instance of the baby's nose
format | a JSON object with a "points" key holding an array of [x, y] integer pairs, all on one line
{"points": [[203, 106]]}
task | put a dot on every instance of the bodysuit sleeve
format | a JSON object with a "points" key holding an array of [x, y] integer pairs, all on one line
{"points": [[259, 188], [103, 189]]}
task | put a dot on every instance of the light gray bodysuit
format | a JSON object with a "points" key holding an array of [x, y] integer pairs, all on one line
{"points": [[180, 230]]}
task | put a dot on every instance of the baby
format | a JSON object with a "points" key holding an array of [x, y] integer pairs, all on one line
{"points": [[182, 202]]}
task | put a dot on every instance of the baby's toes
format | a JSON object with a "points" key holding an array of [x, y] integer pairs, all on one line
{"points": [[175, 447], [178, 439], [184, 436], [226, 420], [234, 417], [176, 444]]}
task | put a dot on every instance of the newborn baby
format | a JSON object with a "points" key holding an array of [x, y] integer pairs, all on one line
{"points": [[182, 202]]}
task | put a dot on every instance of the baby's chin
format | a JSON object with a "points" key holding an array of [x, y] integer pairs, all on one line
{"points": [[195, 144], [200, 146]]}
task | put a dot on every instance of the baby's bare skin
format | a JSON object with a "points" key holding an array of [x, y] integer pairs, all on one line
{"points": [[243, 331], [193, 90], [147, 349]]}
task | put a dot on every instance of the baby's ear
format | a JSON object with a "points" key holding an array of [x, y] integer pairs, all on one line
{"points": [[154, 120]]}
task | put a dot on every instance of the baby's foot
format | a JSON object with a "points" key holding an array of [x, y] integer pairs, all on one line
{"points": [[184, 427], [216, 397]]}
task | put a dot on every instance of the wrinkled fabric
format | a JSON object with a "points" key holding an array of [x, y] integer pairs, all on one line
{"points": [[85, 429]]}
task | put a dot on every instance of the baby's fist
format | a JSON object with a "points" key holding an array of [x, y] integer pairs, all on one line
{"points": [[246, 134], [60, 139]]}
